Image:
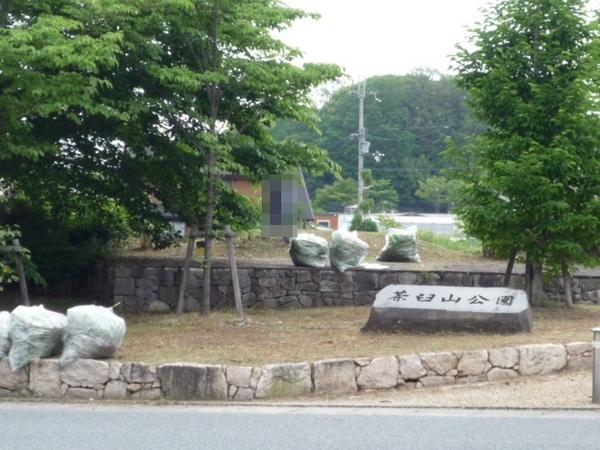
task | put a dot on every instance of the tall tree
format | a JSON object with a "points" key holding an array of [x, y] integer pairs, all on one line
{"points": [[187, 92], [407, 118], [335, 197], [438, 190], [532, 180], [228, 79]]}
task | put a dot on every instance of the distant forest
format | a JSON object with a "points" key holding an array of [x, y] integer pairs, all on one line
{"points": [[407, 118]]}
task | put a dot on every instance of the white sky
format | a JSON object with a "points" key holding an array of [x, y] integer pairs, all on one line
{"points": [[381, 37]]}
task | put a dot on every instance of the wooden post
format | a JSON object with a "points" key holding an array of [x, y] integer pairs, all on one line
{"points": [[234, 275], [21, 272], [186, 269]]}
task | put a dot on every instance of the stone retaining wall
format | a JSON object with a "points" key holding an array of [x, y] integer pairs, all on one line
{"points": [[137, 287], [93, 379]]}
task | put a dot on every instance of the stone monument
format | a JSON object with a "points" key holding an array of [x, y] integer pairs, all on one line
{"points": [[434, 308]]}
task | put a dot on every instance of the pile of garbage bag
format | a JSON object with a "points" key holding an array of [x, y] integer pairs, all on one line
{"points": [[347, 250], [400, 246], [4, 338], [33, 332], [309, 250], [91, 332]]}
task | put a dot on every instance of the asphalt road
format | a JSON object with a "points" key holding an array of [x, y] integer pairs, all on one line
{"points": [[25, 426]]}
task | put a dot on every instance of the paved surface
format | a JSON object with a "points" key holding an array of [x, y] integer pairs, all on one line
{"points": [[101, 427]]}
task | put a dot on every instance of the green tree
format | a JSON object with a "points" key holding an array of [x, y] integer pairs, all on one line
{"points": [[532, 180], [407, 118], [188, 90], [335, 197], [342, 193], [228, 80], [438, 190]]}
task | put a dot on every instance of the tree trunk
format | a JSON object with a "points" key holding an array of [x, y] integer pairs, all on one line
{"points": [[533, 282], [186, 269], [208, 231], [509, 267], [567, 283]]}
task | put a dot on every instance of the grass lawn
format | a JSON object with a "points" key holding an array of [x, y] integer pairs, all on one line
{"points": [[306, 335]]}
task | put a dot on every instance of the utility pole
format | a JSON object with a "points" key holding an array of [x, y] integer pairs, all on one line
{"points": [[361, 138]]}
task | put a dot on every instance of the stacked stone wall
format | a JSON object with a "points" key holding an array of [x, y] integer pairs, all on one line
{"points": [[138, 287], [95, 380]]}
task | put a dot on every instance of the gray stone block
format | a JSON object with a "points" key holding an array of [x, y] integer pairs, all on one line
{"points": [[578, 348], [303, 276], [577, 363], [437, 380], [147, 394], [115, 390], [381, 373], [13, 381], [540, 359], [239, 376], [452, 279], [168, 295], [335, 376], [440, 363], [284, 380], [474, 362], [136, 372], [80, 393], [366, 281], [182, 381], [411, 367], [158, 306], [241, 394], [504, 358], [329, 286], [124, 286], [85, 373], [498, 374], [149, 283], [44, 378], [488, 280]]}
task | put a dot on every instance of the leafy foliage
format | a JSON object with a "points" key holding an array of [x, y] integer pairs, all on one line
{"points": [[61, 248], [438, 190], [387, 222], [7, 273], [408, 118], [335, 197], [532, 180], [360, 223], [140, 105]]}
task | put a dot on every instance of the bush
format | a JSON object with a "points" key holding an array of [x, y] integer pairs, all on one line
{"points": [[7, 272], [358, 223], [387, 222], [63, 250]]}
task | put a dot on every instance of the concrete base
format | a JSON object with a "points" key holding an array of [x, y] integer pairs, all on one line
{"points": [[431, 320]]}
